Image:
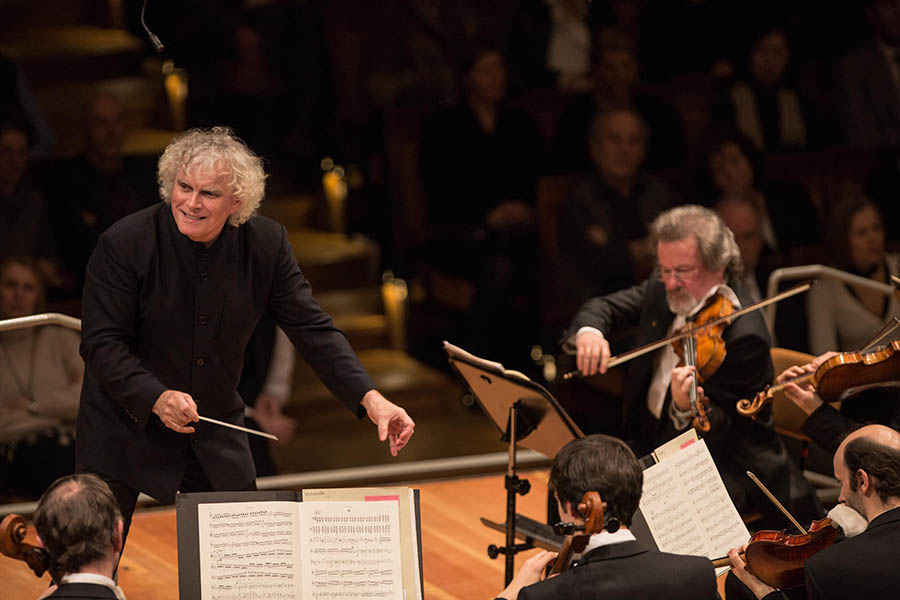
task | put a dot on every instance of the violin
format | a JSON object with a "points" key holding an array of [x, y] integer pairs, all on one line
{"points": [[838, 377], [776, 557], [590, 509], [704, 349], [13, 545]]}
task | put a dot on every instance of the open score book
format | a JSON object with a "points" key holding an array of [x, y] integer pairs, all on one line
{"points": [[326, 544]]}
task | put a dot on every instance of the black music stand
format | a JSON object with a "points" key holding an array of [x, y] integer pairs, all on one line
{"points": [[526, 414]]}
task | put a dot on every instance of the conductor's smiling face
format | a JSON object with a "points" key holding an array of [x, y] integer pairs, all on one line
{"points": [[202, 201]]}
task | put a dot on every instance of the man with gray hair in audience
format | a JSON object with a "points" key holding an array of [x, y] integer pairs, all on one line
{"points": [[79, 525]]}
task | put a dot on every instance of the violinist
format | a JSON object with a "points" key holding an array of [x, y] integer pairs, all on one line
{"points": [[867, 464], [697, 260], [824, 423], [79, 525], [613, 565]]}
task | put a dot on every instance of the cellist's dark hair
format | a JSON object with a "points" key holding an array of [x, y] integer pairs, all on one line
{"points": [[603, 464], [77, 519], [880, 462]]}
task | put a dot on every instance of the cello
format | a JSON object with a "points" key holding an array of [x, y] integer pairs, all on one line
{"points": [[12, 544], [590, 509]]}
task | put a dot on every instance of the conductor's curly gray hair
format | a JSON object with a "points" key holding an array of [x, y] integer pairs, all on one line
{"points": [[715, 241], [218, 151]]}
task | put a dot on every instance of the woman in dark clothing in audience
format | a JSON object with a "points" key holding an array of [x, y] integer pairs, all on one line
{"points": [[732, 168], [479, 161], [763, 103]]}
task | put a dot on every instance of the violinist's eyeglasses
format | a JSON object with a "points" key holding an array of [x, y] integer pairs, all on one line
{"points": [[681, 274]]}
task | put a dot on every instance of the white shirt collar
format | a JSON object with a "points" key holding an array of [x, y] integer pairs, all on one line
{"points": [[605, 538], [723, 289], [96, 579]]}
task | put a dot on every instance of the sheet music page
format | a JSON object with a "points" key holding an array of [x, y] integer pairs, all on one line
{"points": [[350, 550], [687, 507], [719, 519], [406, 502], [249, 550], [668, 513]]}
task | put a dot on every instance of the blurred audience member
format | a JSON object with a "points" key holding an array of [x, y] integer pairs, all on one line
{"points": [[265, 386], [40, 382], [733, 169], [569, 44], [763, 103], [97, 188], [742, 218], [479, 162], [616, 79], [24, 228], [843, 317], [604, 222], [883, 187], [868, 81], [18, 104]]}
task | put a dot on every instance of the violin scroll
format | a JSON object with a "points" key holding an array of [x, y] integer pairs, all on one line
{"points": [[750, 408]]}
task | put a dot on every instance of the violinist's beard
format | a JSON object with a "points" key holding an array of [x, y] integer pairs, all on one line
{"points": [[680, 301]]}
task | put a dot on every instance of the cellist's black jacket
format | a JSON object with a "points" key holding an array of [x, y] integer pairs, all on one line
{"points": [[626, 571], [162, 312]]}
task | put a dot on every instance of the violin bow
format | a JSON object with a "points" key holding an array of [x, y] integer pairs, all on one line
{"points": [[885, 331], [775, 501], [724, 561], [626, 356]]}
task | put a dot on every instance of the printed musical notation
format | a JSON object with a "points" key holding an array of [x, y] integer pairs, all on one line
{"points": [[288, 551], [249, 550], [687, 507], [352, 549]]}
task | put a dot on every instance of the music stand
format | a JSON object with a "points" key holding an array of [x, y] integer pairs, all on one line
{"points": [[526, 414]]}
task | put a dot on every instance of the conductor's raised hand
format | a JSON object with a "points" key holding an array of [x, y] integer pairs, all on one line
{"points": [[591, 353], [392, 421], [176, 409]]}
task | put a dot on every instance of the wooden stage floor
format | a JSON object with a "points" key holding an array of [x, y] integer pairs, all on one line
{"points": [[454, 544]]}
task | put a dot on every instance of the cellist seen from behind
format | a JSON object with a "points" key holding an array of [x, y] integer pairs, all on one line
{"points": [[613, 565], [697, 261]]}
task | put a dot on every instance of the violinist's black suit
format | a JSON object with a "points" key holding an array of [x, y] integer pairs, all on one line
{"points": [[737, 444], [627, 571]]}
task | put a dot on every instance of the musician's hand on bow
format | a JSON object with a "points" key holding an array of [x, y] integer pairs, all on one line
{"points": [[591, 353], [739, 568], [530, 573], [392, 421], [176, 409], [682, 380]]}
